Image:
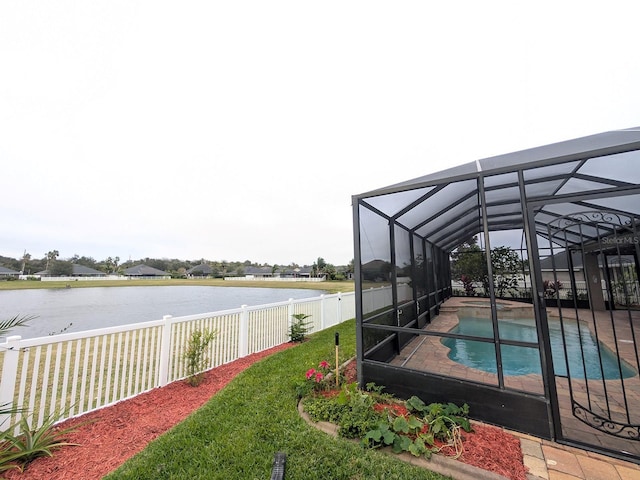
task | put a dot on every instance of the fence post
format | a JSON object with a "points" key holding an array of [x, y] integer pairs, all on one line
{"points": [[243, 334], [322, 321], [165, 357], [289, 316], [9, 375]]}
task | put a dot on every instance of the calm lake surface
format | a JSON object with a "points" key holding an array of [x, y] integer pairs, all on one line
{"points": [[80, 309]]}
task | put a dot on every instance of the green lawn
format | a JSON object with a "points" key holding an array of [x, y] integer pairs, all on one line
{"points": [[237, 433]]}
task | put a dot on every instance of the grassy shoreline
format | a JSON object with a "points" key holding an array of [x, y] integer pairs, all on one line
{"points": [[329, 286]]}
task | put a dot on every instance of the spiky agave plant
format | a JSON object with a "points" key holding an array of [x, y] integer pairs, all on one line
{"points": [[16, 451]]}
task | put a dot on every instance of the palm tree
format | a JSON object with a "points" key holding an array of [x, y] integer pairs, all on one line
{"points": [[51, 256], [25, 258]]}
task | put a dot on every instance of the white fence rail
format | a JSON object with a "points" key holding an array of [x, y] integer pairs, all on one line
{"points": [[71, 374]]}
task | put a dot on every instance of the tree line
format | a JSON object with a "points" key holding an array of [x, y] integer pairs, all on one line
{"points": [[55, 266], [469, 266]]}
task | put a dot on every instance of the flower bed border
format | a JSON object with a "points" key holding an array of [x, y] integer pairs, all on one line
{"points": [[437, 463]]}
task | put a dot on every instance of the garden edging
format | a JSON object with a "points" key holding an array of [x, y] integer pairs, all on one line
{"points": [[437, 463]]}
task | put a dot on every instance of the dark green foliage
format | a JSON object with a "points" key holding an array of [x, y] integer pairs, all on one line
{"points": [[418, 432], [469, 260], [506, 268], [441, 417], [469, 265], [352, 410], [196, 355], [299, 328], [61, 268]]}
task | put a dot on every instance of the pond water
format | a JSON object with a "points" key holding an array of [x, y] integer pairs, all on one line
{"points": [[59, 310]]}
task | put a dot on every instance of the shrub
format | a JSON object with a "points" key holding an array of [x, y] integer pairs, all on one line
{"points": [[352, 410], [381, 420], [551, 288], [424, 430], [299, 328], [467, 283], [196, 355]]}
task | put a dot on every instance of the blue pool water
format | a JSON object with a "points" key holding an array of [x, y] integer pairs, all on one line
{"points": [[524, 360]]}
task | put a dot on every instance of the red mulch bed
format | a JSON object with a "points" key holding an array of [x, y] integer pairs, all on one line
{"points": [[493, 449], [487, 447], [110, 436]]}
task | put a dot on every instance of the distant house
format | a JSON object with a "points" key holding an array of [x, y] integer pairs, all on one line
{"points": [[376, 271], [7, 272], [268, 272], [202, 270], [77, 271], [299, 272], [258, 272], [145, 271], [82, 271], [615, 273], [560, 262]]}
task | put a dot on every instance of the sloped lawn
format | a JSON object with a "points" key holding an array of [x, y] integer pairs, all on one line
{"points": [[237, 433]]}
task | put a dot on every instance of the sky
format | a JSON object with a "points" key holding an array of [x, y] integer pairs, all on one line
{"points": [[240, 130]]}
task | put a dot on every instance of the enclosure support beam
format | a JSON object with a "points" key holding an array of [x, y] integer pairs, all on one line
{"points": [[594, 281]]}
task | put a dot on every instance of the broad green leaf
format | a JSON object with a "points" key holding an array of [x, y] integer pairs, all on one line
{"points": [[389, 437], [401, 444], [400, 424], [415, 424]]}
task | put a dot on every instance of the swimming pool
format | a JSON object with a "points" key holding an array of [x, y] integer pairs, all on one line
{"points": [[523, 360]]}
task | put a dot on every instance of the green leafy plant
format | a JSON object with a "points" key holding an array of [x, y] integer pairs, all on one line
{"points": [[379, 419], [351, 409], [16, 451], [402, 434], [444, 421], [299, 328], [196, 355]]}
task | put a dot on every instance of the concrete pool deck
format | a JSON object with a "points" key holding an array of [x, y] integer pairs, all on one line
{"points": [[552, 461], [548, 460]]}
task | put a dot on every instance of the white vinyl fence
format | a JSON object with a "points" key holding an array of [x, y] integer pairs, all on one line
{"points": [[70, 374]]}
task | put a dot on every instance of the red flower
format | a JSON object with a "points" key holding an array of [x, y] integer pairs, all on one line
{"points": [[310, 373], [324, 364], [319, 377]]}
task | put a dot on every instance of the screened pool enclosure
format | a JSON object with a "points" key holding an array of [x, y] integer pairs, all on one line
{"points": [[511, 284]]}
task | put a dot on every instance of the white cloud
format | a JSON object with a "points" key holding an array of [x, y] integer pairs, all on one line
{"points": [[240, 130]]}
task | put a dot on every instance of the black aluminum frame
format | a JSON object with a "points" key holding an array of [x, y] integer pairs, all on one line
{"points": [[382, 333]]}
